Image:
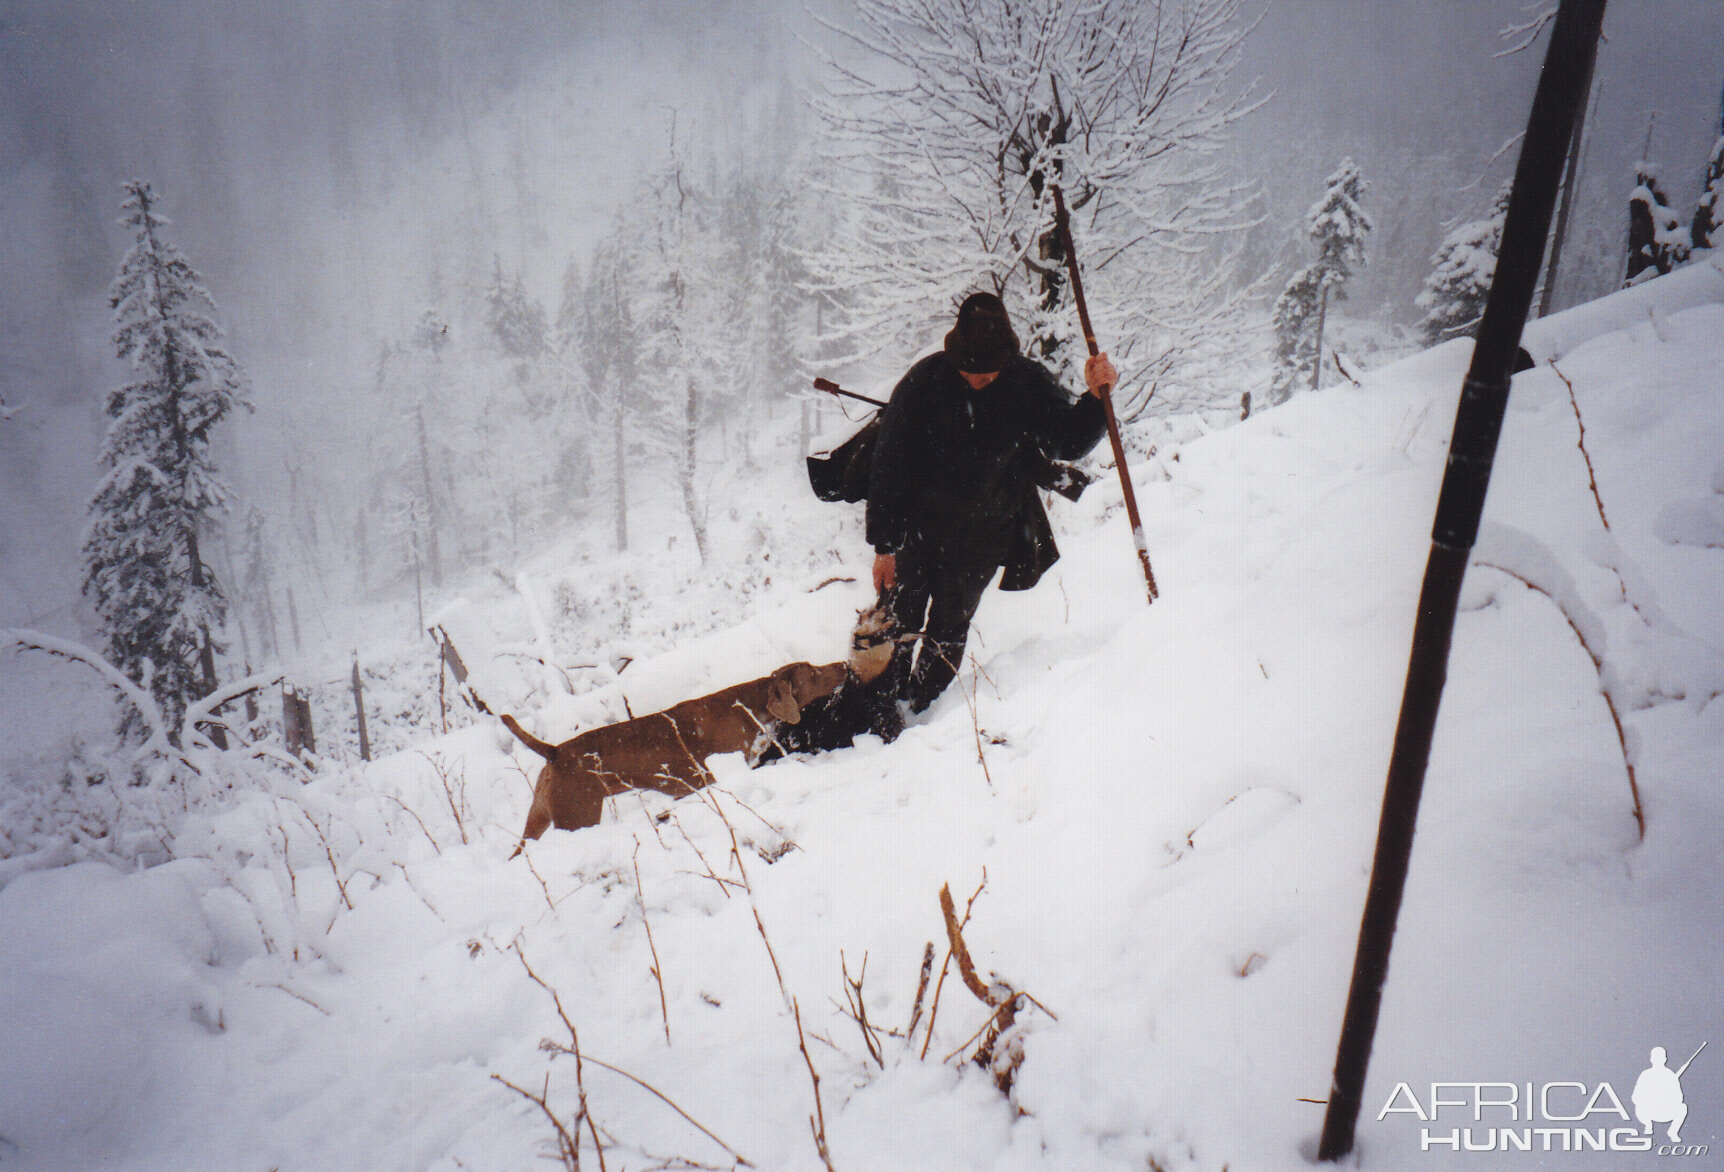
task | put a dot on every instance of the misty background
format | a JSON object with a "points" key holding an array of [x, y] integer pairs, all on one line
{"points": [[336, 170]]}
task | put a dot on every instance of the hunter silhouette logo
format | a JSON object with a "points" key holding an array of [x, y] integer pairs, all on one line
{"points": [[1562, 1116], [1657, 1094]]}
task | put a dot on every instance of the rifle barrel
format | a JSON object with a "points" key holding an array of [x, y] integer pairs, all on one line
{"points": [[832, 388]]}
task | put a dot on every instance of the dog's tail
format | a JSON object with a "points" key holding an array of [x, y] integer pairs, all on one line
{"points": [[548, 752]]}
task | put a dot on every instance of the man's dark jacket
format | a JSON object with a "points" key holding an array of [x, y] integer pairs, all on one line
{"points": [[954, 469]]}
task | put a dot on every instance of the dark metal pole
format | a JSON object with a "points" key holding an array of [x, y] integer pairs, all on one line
{"points": [[1478, 423]]}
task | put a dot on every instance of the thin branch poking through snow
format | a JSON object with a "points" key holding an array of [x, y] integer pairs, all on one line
{"points": [[1522, 558], [657, 969], [921, 992], [409, 811], [934, 1010], [817, 1121], [858, 1008], [568, 1147], [1591, 477]]}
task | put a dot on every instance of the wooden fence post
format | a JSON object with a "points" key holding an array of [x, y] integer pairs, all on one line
{"points": [[296, 722], [359, 711]]}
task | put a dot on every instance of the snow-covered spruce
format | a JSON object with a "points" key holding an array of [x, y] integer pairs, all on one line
{"points": [[1338, 225], [161, 609], [1461, 270], [1708, 210]]}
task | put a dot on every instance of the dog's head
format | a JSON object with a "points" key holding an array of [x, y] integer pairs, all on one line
{"points": [[795, 685]]}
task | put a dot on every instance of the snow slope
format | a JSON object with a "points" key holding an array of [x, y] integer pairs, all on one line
{"points": [[1173, 807]]}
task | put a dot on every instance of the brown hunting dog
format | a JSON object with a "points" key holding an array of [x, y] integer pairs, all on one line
{"points": [[667, 750]]}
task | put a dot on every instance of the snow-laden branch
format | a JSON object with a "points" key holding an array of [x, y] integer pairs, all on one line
{"points": [[157, 741], [1523, 557], [1542, 13], [198, 753]]}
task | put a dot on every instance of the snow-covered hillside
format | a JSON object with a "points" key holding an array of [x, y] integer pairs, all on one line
{"points": [[1168, 812]]}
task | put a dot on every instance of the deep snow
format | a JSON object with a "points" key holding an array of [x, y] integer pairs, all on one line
{"points": [[1174, 811]]}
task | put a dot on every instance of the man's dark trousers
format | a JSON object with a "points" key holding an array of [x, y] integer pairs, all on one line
{"points": [[936, 598]]}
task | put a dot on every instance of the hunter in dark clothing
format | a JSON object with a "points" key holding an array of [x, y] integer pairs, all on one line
{"points": [[951, 499]]}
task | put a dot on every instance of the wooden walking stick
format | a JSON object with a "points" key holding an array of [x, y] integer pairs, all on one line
{"points": [[1062, 223]]}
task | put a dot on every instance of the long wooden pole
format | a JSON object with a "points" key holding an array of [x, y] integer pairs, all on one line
{"points": [[1063, 222], [1460, 504]]}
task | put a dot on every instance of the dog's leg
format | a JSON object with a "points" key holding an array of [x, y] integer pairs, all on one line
{"points": [[538, 817]]}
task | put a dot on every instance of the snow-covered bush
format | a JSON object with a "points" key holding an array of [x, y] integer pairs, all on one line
{"points": [[1461, 271]]}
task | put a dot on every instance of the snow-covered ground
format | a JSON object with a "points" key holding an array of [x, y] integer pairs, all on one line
{"points": [[1168, 811]]}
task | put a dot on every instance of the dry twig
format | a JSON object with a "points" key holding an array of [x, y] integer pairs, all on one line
{"points": [[1591, 476], [440, 767], [568, 1146], [723, 884], [817, 1121], [976, 723], [573, 1049], [663, 1098], [543, 886], [1604, 690], [858, 1008], [921, 991], [330, 855], [657, 972], [409, 811], [934, 1010]]}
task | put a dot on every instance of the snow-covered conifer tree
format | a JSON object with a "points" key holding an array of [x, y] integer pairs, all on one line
{"points": [[432, 334], [566, 328], [255, 584], [160, 608], [514, 319], [1656, 242], [1709, 209], [1462, 267], [952, 128], [610, 356], [1338, 225], [760, 267], [1295, 324]]}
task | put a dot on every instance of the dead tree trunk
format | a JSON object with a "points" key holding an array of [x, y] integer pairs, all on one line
{"points": [[359, 713], [686, 469], [620, 448], [1317, 359]]}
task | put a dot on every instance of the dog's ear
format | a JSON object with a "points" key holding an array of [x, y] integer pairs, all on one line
{"points": [[781, 701]]}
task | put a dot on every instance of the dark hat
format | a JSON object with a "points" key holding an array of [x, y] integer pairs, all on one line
{"points": [[982, 341]]}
